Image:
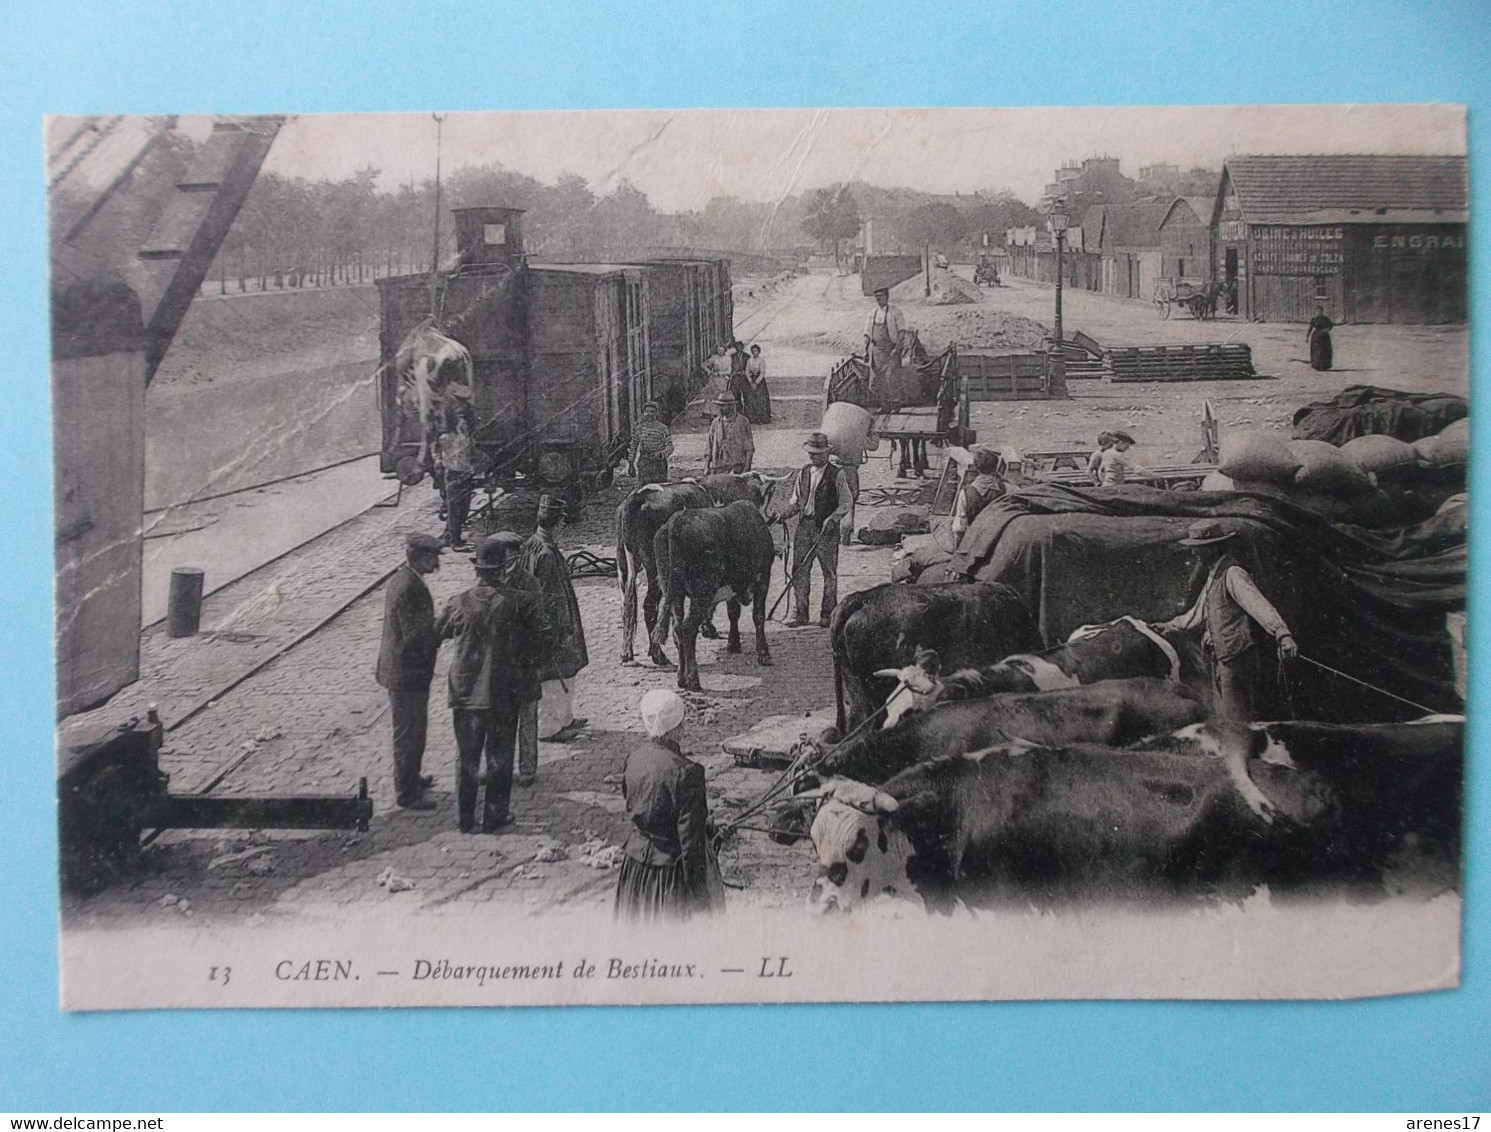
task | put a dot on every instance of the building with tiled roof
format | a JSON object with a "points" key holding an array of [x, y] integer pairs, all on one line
{"points": [[1369, 237]]}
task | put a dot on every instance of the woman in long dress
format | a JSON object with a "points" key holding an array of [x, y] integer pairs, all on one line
{"points": [[757, 398], [668, 870], [1319, 337]]}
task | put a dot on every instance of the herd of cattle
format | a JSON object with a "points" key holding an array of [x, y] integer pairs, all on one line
{"points": [[970, 761]]}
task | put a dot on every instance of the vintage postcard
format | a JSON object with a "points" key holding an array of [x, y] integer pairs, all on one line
{"points": [[759, 555]]}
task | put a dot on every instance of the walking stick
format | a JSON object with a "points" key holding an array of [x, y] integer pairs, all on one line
{"points": [[797, 570]]}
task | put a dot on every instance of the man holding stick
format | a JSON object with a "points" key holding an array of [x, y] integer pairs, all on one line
{"points": [[822, 497]]}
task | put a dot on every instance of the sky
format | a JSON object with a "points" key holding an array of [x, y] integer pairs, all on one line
{"points": [[683, 158]]}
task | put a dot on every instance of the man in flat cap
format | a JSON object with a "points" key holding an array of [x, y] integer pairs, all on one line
{"points": [[406, 665], [822, 497], [651, 446], [547, 717], [1234, 613], [885, 345], [667, 869], [502, 637], [729, 446]]}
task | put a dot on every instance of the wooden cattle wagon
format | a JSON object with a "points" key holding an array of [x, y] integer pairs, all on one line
{"points": [[561, 357], [691, 316]]}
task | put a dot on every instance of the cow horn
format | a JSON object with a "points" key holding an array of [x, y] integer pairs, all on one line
{"points": [[885, 803]]}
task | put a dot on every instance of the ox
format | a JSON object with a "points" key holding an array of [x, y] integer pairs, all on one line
{"points": [[1206, 807], [709, 556], [1124, 648], [638, 519], [884, 628], [1114, 713], [435, 374]]}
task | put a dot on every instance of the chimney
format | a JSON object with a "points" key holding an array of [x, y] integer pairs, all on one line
{"points": [[488, 237]]}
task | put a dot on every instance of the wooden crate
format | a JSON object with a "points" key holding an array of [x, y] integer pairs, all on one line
{"points": [[1012, 375]]}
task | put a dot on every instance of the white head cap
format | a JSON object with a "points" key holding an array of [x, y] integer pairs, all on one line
{"points": [[662, 711]]}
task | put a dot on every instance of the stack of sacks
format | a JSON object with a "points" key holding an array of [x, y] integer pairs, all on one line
{"points": [[1258, 462], [1449, 451]]}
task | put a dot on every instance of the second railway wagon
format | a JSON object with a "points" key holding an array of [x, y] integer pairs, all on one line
{"points": [[560, 356], [691, 316]]}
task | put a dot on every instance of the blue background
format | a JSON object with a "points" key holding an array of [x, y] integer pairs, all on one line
{"points": [[1428, 1052]]}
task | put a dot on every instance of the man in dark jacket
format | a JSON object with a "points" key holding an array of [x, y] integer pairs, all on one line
{"points": [[822, 497], [554, 713], [406, 664], [502, 638]]}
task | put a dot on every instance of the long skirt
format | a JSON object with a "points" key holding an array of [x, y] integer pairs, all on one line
{"points": [[657, 892], [757, 403], [1321, 350], [556, 709]]}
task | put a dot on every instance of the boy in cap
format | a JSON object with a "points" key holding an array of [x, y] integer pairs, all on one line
{"points": [[1115, 463], [501, 634], [651, 446], [986, 486], [729, 446], [666, 868], [1233, 611], [406, 665], [542, 557], [822, 497]]}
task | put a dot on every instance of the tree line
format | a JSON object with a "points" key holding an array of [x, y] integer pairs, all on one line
{"points": [[297, 232]]}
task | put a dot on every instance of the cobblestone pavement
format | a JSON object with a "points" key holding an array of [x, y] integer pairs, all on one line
{"points": [[313, 720]]}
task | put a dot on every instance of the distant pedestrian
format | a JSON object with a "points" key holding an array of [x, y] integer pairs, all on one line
{"points": [[554, 713], [651, 446], [1322, 353], [822, 496], [729, 447], [406, 665], [738, 362], [457, 456], [667, 870], [757, 404], [502, 637]]}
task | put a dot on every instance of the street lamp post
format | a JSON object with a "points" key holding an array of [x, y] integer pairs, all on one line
{"points": [[1057, 219]]}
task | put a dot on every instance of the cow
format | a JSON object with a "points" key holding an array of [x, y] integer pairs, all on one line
{"points": [[436, 377], [1118, 649], [638, 519], [1113, 713], [708, 556], [884, 627], [1211, 807]]}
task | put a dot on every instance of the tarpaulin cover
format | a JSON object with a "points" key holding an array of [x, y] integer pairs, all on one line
{"points": [[1371, 604], [1369, 410]]}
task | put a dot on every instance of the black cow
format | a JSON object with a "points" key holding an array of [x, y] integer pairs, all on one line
{"points": [[709, 556], [638, 519], [1114, 713], [1117, 650], [1209, 807], [966, 623]]}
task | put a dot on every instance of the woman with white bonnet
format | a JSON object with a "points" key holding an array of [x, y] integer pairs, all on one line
{"points": [[667, 868]]}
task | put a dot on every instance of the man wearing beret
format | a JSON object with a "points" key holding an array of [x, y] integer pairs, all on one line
{"points": [[406, 664], [502, 637], [547, 717]]}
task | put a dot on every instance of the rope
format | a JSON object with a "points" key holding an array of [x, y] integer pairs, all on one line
{"points": [[1364, 684]]}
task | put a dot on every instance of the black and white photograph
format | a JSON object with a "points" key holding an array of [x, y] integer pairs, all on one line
{"points": [[715, 556]]}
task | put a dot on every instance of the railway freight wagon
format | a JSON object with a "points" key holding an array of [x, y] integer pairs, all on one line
{"points": [[560, 357], [691, 317]]}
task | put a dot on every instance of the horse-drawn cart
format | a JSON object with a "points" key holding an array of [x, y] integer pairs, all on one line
{"points": [[1195, 295]]}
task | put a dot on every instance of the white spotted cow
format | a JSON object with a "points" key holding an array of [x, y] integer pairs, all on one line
{"points": [[436, 378]]}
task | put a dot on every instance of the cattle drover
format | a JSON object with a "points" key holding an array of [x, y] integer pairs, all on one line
{"points": [[542, 720], [406, 664], [1230, 606], [823, 498], [502, 640]]}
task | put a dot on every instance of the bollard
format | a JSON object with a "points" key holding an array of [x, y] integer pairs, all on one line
{"points": [[184, 603]]}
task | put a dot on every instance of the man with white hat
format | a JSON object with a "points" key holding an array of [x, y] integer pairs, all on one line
{"points": [[667, 870], [729, 446], [822, 497], [1233, 611]]}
